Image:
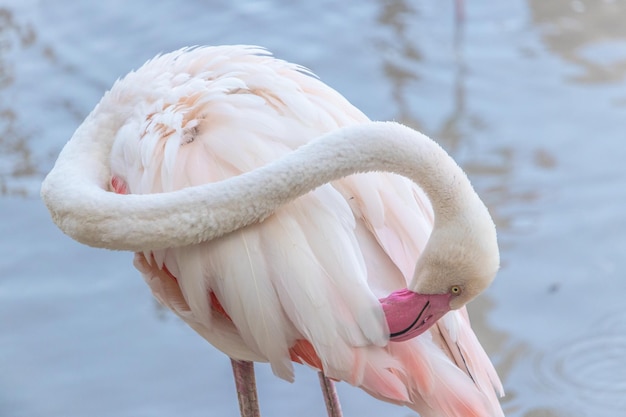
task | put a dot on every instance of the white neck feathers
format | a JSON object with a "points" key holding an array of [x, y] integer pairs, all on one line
{"points": [[75, 190]]}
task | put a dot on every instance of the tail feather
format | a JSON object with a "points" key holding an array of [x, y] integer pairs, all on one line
{"points": [[435, 385], [379, 376], [470, 356], [434, 374]]}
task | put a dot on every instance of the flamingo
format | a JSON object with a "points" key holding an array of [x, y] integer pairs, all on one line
{"points": [[284, 226]]}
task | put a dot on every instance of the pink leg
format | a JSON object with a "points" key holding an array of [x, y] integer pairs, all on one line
{"points": [[330, 396], [246, 388]]}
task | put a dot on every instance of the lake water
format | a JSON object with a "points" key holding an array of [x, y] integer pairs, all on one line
{"points": [[529, 97]]}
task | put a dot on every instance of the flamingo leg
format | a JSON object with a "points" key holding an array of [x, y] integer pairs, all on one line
{"points": [[330, 396], [245, 383]]}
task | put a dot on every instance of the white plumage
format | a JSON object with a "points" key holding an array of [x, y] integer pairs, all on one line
{"points": [[304, 283]]}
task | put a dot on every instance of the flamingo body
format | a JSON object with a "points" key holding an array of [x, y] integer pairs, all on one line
{"points": [[303, 285], [287, 280]]}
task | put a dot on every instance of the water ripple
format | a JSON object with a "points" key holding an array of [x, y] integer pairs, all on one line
{"points": [[593, 367]]}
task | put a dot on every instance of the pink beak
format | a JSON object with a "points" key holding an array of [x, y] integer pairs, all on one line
{"points": [[410, 314]]}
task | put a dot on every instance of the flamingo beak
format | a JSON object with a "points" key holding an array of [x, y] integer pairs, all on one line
{"points": [[410, 314]]}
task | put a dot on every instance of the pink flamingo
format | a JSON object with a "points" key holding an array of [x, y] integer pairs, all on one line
{"points": [[283, 226]]}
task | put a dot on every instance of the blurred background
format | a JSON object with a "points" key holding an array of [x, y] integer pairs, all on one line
{"points": [[529, 97]]}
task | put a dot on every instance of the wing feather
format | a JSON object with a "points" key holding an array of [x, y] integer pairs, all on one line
{"points": [[302, 285]]}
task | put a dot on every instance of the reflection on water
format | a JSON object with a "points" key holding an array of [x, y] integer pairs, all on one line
{"points": [[399, 54], [398, 46], [488, 87], [15, 155], [588, 33]]}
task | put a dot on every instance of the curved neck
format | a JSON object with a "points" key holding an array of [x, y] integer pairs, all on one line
{"points": [[74, 190]]}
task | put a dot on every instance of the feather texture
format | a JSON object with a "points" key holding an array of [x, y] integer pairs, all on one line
{"points": [[304, 284]]}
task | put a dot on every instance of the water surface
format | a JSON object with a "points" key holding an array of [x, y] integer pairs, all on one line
{"points": [[530, 97]]}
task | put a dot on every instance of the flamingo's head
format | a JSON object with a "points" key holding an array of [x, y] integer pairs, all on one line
{"points": [[458, 263]]}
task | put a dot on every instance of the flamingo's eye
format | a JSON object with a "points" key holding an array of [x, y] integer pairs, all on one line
{"points": [[455, 290]]}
